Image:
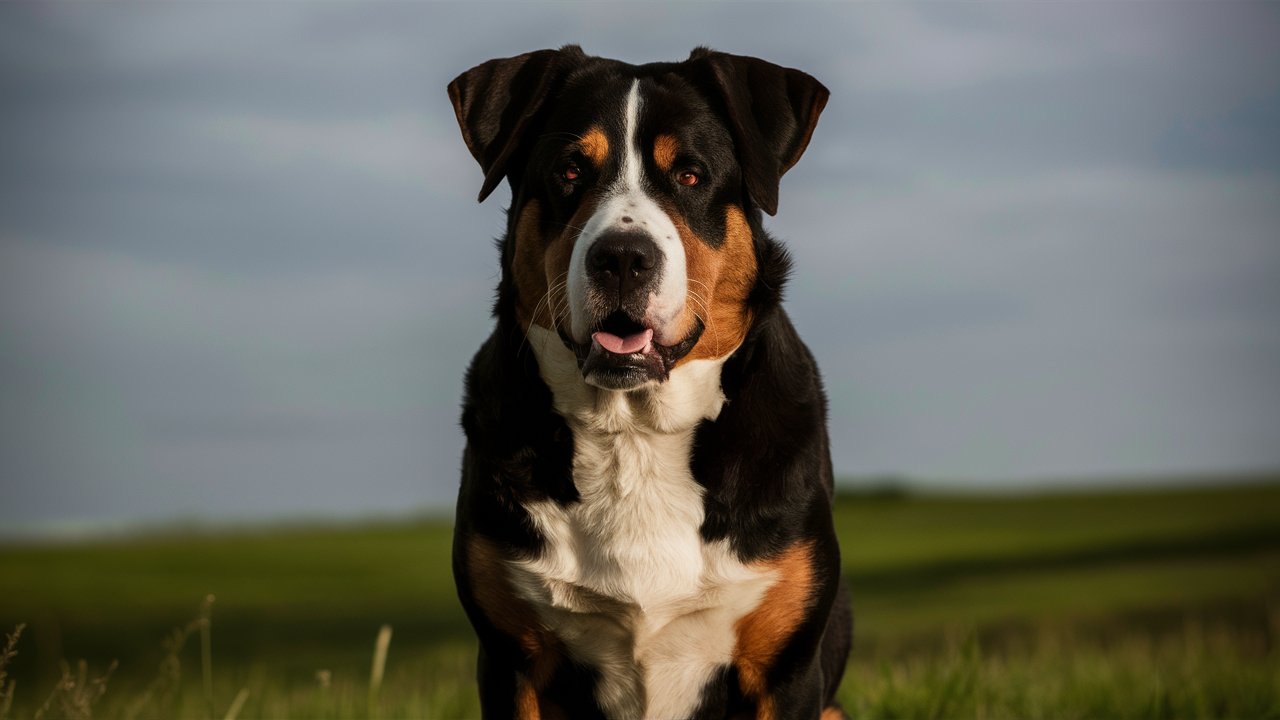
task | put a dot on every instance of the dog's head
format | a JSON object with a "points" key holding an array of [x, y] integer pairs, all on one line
{"points": [[635, 227]]}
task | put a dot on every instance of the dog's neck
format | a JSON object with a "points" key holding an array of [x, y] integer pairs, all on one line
{"points": [[690, 395]]}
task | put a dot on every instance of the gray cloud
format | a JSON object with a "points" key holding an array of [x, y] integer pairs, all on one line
{"points": [[242, 270]]}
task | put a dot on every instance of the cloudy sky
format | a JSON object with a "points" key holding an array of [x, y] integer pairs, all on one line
{"points": [[242, 269]]}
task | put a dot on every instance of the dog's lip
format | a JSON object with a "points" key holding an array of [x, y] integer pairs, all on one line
{"points": [[654, 356]]}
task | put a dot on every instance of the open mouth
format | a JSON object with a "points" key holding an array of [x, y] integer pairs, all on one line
{"points": [[620, 335], [622, 353]]}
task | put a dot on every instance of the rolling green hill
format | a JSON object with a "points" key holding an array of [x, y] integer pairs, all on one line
{"points": [[1162, 603]]}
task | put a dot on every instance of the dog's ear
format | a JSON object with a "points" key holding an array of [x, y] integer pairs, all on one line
{"points": [[495, 102], [772, 113]]}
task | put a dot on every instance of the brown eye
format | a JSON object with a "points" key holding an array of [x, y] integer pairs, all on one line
{"points": [[571, 172], [688, 178]]}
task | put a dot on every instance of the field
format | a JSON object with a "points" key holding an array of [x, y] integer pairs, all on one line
{"points": [[1130, 603]]}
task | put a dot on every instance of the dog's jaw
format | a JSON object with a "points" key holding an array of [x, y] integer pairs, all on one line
{"points": [[690, 394]]}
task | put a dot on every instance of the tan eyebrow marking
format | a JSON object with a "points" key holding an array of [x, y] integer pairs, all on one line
{"points": [[595, 146], [665, 148]]}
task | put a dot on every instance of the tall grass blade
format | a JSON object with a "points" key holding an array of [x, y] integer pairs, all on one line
{"points": [[75, 694], [237, 704], [206, 653], [379, 667], [6, 685]]}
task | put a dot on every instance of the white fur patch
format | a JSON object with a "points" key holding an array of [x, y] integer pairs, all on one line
{"points": [[625, 579], [627, 198]]}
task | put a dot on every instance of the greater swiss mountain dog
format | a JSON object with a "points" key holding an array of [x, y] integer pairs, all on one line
{"points": [[644, 524]]}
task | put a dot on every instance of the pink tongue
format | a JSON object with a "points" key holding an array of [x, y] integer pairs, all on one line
{"points": [[624, 345]]}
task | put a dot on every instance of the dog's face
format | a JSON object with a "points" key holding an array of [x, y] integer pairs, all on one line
{"points": [[633, 227], [634, 189]]}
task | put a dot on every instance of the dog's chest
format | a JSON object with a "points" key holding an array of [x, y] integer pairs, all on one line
{"points": [[634, 535], [624, 578], [627, 583]]}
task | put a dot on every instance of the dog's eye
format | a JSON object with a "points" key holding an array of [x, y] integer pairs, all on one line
{"points": [[570, 171], [688, 178]]}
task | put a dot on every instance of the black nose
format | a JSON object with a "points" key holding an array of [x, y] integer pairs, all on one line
{"points": [[626, 261]]}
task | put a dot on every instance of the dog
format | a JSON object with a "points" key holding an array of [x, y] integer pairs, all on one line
{"points": [[644, 524]]}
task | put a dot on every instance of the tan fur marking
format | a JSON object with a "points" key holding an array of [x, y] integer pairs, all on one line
{"points": [[832, 713], [595, 145], [719, 282], [542, 264], [514, 617], [763, 632], [526, 700], [555, 264], [665, 149], [531, 282]]}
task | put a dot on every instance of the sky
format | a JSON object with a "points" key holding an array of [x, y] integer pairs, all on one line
{"points": [[242, 268]]}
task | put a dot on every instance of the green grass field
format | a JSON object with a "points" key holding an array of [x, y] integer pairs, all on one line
{"points": [[1152, 604]]}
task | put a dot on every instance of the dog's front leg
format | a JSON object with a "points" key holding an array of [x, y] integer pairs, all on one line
{"points": [[511, 684], [499, 685]]}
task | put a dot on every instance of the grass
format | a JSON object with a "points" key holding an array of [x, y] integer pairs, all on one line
{"points": [[1147, 604]]}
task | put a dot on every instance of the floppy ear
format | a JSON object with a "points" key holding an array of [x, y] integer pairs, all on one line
{"points": [[495, 102], [772, 113]]}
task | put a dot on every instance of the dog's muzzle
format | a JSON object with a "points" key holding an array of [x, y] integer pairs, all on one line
{"points": [[624, 270]]}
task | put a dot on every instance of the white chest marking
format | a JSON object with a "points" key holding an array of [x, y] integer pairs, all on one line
{"points": [[625, 579]]}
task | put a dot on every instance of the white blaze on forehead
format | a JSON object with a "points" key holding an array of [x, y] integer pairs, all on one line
{"points": [[627, 198], [632, 164]]}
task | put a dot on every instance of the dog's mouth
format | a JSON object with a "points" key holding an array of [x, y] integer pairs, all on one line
{"points": [[623, 355]]}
